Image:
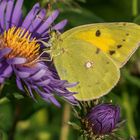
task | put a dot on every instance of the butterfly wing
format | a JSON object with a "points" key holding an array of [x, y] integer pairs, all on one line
{"points": [[80, 61], [118, 40]]}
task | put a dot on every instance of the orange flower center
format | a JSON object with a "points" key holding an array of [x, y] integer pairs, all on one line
{"points": [[21, 45]]}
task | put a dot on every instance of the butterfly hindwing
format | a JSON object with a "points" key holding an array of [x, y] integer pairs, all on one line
{"points": [[82, 62]]}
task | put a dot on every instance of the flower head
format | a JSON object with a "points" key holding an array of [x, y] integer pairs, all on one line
{"points": [[21, 52], [102, 119]]}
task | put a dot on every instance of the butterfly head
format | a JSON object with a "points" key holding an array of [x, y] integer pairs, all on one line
{"points": [[55, 43]]}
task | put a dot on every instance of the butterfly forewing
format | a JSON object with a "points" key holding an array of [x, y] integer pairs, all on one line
{"points": [[118, 40]]}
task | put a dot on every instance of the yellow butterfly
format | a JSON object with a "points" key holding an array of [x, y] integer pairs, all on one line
{"points": [[93, 55]]}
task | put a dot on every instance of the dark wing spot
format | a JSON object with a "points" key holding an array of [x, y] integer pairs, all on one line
{"points": [[127, 34], [111, 52], [63, 50], [97, 83], [97, 51], [124, 24], [98, 33], [107, 62], [119, 46], [123, 40]]}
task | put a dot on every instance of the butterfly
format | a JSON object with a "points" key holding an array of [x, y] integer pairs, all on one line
{"points": [[93, 54]]}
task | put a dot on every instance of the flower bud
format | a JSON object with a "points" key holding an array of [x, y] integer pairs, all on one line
{"points": [[102, 119]]}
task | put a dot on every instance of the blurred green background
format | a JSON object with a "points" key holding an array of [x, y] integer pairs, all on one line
{"points": [[28, 120]]}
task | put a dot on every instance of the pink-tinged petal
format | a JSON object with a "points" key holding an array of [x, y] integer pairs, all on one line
{"points": [[9, 12], [37, 21], [48, 22], [31, 16], [16, 61], [17, 13], [2, 13]]}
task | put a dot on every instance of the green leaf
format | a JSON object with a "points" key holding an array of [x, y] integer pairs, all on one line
{"points": [[80, 17], [137, 19], [132, 79], [6, 116]]}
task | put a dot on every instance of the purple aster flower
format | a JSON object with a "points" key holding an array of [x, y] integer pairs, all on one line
{"points": [[20, 51], [102, 119]]}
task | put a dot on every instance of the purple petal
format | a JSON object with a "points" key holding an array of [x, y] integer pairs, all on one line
{"points": [[50, 97], [71, 100], [2, 13], [3, 67], [17, 13], [19, 84], [37, 21], [54, 101], [30, 91], [7, 72], [43, 83], [30, 17], [4, 51], [48, 22], [38, 75], [22, 74], [60, 25], [58, 82], [16, 61], [1, 30], [2, 80], [9, 12], [59, 91], [27, 69], [57, 27], [69, 85]]}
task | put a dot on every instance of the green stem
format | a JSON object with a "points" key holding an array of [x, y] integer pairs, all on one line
{"points": [[134, 8], [65, 120], [129, 113], [11, 133]]}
